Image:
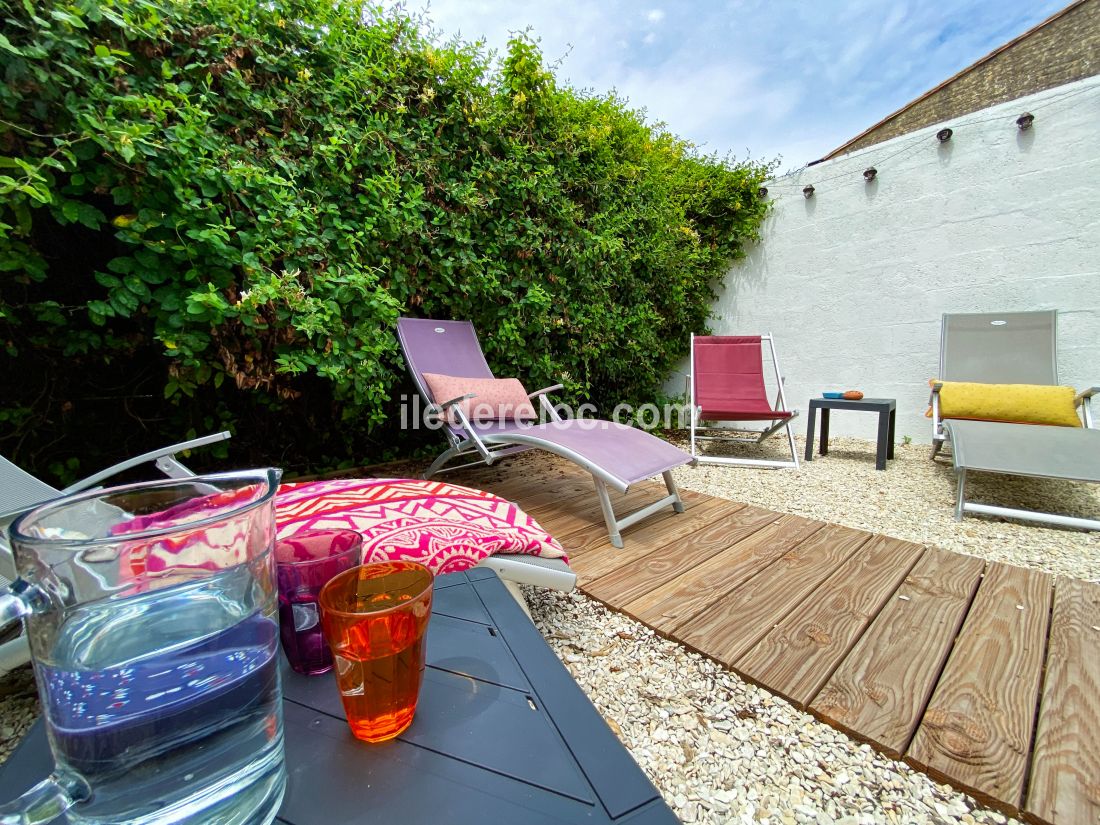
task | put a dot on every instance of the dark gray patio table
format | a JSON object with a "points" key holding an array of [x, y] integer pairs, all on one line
{"points": [[502, 733], [885, 407]]}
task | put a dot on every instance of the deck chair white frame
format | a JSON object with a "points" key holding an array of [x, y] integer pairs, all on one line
{"points": [[742, 435]]}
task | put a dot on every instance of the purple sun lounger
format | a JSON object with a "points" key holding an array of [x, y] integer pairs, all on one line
{"points": [[616, 455]]}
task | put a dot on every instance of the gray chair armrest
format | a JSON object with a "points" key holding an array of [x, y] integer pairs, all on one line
{"points": [[546, 390], [446, 405], [1085, 394], [544, 401], [938, 435], [165, 459], [441, 410], [934, 400]]}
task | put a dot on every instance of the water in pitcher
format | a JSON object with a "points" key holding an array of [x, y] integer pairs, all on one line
{"points": [[169, 704]]}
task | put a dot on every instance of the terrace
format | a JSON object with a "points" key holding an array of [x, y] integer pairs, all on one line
{"points": [[811, 647], [822, 645]]}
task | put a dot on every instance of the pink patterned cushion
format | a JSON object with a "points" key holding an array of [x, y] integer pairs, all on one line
{"points": [[495, 399], [444, 527]]}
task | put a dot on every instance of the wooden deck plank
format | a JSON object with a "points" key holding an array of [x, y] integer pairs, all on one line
{"points": [[668, 551], [549, 493], [1065, 775], [592, 555], [880, 690], [581, 511], [722, 556], [587, 537], [976, 730], [727, 630], [539, 489], [799, 655], [593, 535], [554, 501]]}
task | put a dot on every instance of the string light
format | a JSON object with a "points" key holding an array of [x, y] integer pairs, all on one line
{"points": [[1023, 122]]}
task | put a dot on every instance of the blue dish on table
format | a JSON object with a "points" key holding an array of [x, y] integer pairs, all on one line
{"points": [[832, 395]]}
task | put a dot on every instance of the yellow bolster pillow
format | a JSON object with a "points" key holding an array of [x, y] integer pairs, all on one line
{"points": [[1019, 403]]}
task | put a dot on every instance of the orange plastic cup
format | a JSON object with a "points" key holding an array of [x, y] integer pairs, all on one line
{"points": [[375, 618]]}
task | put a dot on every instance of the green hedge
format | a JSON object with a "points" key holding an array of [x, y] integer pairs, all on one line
{"points": [[212, 213]]}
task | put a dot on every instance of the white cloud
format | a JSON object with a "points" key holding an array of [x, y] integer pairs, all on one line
{"points": [[753, 75]]}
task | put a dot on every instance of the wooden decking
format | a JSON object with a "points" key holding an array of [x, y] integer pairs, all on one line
{"points": [[983, 675]]}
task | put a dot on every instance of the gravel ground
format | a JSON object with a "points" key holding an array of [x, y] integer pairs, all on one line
{"points": [[914, 499], [721, 750], [18, 708]]}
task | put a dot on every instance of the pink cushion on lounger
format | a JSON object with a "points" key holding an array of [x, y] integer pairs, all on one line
{"points": [[495, 399]]}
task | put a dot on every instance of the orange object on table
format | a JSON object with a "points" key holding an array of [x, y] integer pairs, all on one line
{"points": [[375, 618], [853, 395]]}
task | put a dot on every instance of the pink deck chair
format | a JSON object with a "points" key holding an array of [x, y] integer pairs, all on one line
{"points": [[727, 384]]}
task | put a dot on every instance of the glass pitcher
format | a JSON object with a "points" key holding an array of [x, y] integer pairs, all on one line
{"points": [[152, 618]]}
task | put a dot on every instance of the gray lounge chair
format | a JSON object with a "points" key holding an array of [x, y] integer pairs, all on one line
{"points": [[20, 491], [616, 455], [1011, 348]]}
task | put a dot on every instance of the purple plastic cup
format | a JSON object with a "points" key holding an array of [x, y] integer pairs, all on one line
{"points": [[304, 564]]}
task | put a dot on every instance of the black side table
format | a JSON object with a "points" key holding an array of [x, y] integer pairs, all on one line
{"points": [[885, 407]]}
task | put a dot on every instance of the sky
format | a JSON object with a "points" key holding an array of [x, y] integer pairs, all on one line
{"points": [[751, 78]]}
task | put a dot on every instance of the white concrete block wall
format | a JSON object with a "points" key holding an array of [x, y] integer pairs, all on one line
{"points": [[853, 281]]}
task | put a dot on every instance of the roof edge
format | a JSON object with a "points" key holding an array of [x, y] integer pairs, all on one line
{"points": [[953, 78]]}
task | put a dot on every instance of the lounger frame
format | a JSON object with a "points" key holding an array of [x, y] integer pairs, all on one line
{"points": [[962, 507]]}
